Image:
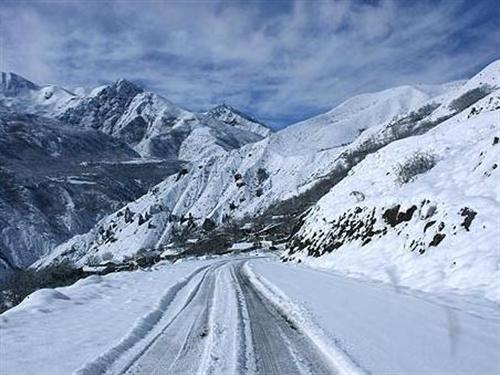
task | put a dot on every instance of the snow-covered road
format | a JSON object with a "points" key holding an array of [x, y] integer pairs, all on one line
{"points": [[226, 326], [246, 316]]}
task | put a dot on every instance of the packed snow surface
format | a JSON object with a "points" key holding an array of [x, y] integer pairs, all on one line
{"points": [[231, 314], [389, 329]]}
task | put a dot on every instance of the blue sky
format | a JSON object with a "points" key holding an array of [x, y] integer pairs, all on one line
{"points": [[282, 61]]}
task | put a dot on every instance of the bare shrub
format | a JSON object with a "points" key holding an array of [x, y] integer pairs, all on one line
{"points": [[107, 256], [262, 175], [469, 98], [416, 164], [208, 225]]}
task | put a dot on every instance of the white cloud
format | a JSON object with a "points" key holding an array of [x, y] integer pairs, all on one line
{"points": [[290, 61]]}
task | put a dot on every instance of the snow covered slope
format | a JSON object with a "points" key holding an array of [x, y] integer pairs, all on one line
{"points": [[247, 181], [12, 84], [345, 122], [154, 126], [67, 160], [151, 124], [235, 118], [21, 95], [423, 211]]}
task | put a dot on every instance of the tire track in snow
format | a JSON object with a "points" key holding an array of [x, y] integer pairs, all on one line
{"points": [[333, 356], [226, 352], [141, 329], [246, 358], [279, 346], [196, 344], [220, 319], [181, 337]]}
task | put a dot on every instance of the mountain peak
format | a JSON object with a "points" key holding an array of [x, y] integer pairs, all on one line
{"points": [[231, 116], [123, 84], [121, 88], [223, 110], [12, 84], [223, 106]]}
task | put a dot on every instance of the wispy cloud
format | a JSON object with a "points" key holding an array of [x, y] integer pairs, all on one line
{"points": [[282, 61]]}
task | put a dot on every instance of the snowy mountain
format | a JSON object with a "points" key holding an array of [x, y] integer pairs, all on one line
{"points": [[346, 122], [265, 178], [154, 126], [12, 85], [57, 181], [149, 123], [422, 211], [67, 160], [233, 117], [21, 95]]}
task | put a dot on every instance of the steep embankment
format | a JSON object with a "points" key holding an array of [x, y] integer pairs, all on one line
{"points": [[422, 212]]}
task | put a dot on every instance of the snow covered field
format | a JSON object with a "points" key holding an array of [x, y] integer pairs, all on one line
{"points": [[231, 315]]}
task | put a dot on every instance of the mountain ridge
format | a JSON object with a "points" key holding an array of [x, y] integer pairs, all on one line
{"points": [[246, 182], [65, 191]]}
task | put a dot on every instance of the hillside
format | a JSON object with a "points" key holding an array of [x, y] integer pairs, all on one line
{"points": [[260, 179], [422, 212], [67, 159]]}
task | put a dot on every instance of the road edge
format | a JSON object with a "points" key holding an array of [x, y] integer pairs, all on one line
{"points": [[330, 349]]}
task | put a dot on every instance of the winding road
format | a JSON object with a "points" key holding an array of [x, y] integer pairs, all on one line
{"points": [[223, 325]]}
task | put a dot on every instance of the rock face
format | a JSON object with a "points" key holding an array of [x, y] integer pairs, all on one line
{"points": [[11, 84], [103, 108], [58, 181], [67, 160], [155, 127], [147, 122]]}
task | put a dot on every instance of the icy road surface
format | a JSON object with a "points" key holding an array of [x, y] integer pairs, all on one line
{"points": [[225, 326], [246, 316]]}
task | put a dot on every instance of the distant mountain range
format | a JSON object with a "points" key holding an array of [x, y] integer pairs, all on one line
{"points": [[66, 160], [354, 177]]}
